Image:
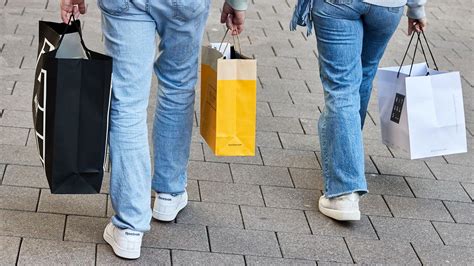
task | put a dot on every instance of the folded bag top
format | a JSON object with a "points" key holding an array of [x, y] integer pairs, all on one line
{"points": [[71, 102]]}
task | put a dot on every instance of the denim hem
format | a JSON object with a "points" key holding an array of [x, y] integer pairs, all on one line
{"points": [[360, 191], [122, 226]]}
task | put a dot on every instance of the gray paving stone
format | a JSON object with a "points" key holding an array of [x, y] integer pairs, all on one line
{"points": [[461, 212], [31, 224], [183, 257], [443, 190], [268, 139], [371, 252], [255, 260], [44, 252], [445, 255], [402, 167], [6, 86], [375, 148], [311, 247], [415, 208], [403, 155], [263, 109], [279, 124], [374, 205], [275, 83], [261, 175], [9, 247], [290, 198], [469, 187], [196, 153], [13, 135], [307, 178], [272, 219], [85, 229], [325, 263], [310, 126], [2, 172], [12, 118], [313, 98], [149, 256], [300, 142], [25, 176], [196, 137], [15, 102], [246, 242], [18, 198], [289, 158], [210, 157], [211, 214], [104, 189], [274, 95], [452, 172], [294, 110], [193, 190], [11, 154], [388, 185], [369, 165], [231, 193], [87, 204], [322, 225], [209, 171], [405, 230], [278, 61], [297, 74], [462, 159], [456, 234], [176, 236]]}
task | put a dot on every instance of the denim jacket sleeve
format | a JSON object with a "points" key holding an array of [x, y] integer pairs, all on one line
{"points": [[238, 4], [416, 9]]}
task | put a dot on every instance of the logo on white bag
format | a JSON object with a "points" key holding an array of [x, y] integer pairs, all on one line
{"points": [[40, 102], [397, 108]]}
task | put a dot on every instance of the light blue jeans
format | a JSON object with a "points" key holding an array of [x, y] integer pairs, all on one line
{"points": [[130, 29], [351, 38]]}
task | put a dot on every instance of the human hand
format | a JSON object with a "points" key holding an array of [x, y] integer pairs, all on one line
{"points": [[417, 25], [234, 19], [69, 7]]}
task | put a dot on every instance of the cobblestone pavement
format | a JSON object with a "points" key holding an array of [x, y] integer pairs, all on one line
{"points": [[259, 210]]}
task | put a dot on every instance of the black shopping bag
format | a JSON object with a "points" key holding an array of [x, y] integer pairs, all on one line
{"points": [[71, 102]]}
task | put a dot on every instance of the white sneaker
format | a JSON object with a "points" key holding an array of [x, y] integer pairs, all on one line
{"points": [[126, 243], [167, 207], [342, 208]]}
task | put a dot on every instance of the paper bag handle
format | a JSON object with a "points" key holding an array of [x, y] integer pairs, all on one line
{"points": [[418, 41], [233, 37], [72, 18]]}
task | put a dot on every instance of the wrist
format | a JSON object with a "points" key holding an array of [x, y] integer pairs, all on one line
{"points": [[416, 12], [238, 5]]}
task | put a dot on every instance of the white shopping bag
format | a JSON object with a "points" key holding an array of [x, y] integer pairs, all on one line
{"points": [[223, 47], [421, 113]]}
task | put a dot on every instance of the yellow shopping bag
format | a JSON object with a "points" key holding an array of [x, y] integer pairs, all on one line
{"points": [[228, 102]]}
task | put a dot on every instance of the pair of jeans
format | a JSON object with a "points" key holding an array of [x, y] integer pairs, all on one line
{"points": [[130, 29], [351, 38]]}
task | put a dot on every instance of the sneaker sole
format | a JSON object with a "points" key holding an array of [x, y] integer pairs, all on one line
{"points": [[168, 217], [126, 254], [340, 215]]}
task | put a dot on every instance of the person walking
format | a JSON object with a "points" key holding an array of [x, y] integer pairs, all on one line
{"points": [[351, 39], [129, 28]]}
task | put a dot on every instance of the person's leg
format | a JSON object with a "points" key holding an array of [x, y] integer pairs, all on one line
{"points": [[379, 25], [339, 33], [130, 39], [181, 29]]}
